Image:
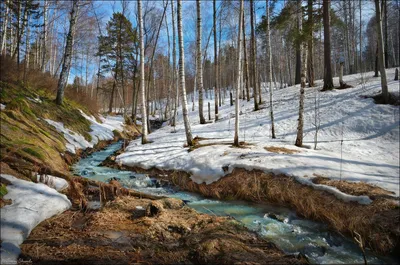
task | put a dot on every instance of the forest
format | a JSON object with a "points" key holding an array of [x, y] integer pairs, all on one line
{"points": [[199, 132]]}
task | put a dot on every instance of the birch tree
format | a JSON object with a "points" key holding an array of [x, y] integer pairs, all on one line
{"points": [[199, 72], [303, 50], [381, 53], [186, 121], [253, 56], [216, 88], [239, 74], [269, 68], [62, 81], [142, 84]]}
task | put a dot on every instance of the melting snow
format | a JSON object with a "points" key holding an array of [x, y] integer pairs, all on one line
{"points": [[32, 203]]}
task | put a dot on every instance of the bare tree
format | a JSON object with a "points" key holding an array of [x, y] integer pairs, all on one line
{"points": [[199, 71], [142, 84], [239, 74], [216, 88], [328, 81], [299, 138], [253, 56], [186, 121], [62, 81], [381, 53], [269, 70]]}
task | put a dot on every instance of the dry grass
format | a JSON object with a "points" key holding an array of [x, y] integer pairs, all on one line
{"points": [[353, 188], [281, 150]]}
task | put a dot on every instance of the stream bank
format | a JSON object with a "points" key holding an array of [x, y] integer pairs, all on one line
{"points": [[177, 234], [378, 223]]}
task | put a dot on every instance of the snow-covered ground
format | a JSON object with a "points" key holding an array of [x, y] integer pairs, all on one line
{"points": [[99, 131], [32, 203], [358, 140]]}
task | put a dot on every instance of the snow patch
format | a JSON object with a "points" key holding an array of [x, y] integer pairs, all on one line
{"points": [[32, 203], [74, 140], [56, 183], [2, 106]]}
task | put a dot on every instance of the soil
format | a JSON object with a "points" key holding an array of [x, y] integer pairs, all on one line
{"points": [[174, 234]]}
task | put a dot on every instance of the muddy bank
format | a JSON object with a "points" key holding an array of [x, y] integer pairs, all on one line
{"points": [[172, 234], [378, 223]]}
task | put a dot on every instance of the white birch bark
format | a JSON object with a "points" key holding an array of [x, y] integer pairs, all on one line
{"points": [[186, 121], [239, 73]]}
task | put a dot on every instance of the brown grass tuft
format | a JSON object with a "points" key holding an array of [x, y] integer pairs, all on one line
{"points": [[281, 150]]}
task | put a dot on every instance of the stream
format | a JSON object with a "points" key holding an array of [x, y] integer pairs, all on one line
{"points": [[279, 225]]}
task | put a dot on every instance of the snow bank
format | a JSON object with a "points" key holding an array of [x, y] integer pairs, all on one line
{"points": [[56, 183], [32, 203], [74, 140], [369, 151], [99, 131]]}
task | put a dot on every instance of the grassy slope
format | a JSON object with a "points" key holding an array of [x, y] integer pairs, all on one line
{"points": [[28, 143]]}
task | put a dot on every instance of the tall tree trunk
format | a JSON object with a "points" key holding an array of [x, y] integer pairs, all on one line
{"points": [[381, 53], [297, 76], [299, 138], [246, 65], [142, 84], [269, 70], [62, 81], [44, 36], [253, 57], [167, 105], [310, 54], [186, 121], [110, 105], [216, 88], [26, 65], [385, 19], [4, 28], [174, 73], [328, 80], [239, 74], [199, 72], [376, 68]]}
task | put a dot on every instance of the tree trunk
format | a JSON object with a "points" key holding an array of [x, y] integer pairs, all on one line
{"points": [[246, 65], [62, 82], [310, 57], [269, 70], [299, 138], [385, 6], [110, 105], [297, 76], [142, 84], [328, 81], [381, 53], [376, 74], [216, 88], [44, 36], [4, 28], [239, 70], [174, 81], [253, 56], [199, 72], [186, 121]]}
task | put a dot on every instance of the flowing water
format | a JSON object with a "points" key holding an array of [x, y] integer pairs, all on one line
{"points": [[279, 225]]}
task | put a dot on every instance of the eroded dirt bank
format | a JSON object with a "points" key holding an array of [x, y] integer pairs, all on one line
{"points": [[169, 233], [378, 223]]}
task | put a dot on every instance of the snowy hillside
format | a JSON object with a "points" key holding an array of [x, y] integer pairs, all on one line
{"points": [[370, 134]]}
